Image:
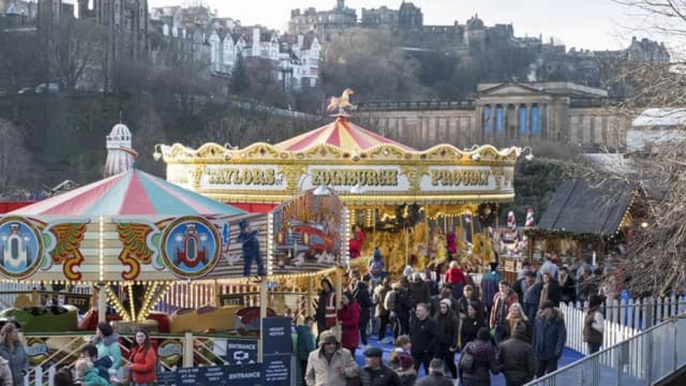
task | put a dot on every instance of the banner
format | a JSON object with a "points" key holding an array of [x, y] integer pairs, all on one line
{"points": [[276, 336]]}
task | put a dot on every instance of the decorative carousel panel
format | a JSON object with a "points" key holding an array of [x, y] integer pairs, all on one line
{"points": [[309, 234], [188, 247]]}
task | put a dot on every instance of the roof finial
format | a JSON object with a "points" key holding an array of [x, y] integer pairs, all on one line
{"points": [[121, 114], [341, 103]]}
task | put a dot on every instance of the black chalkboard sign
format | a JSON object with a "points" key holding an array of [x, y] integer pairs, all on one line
{"points": [[277, 370], [167, 378], [277, 335]]}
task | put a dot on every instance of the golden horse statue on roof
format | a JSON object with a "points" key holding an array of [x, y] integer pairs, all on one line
{"points": [[342, 102]]}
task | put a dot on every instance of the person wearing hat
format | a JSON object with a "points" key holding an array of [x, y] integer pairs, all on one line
{"points": [[447, 324], [251, 248], [330, 364], [375, 373], [550, 335]]}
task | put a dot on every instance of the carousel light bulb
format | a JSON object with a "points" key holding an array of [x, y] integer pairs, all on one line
{"points": [[178, 238], [203, 237]]}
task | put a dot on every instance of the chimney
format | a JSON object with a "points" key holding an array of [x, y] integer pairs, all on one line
{"points": [[301, 41]]}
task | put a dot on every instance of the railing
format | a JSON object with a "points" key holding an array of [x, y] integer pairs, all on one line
{"points": [[645, 359], [623, 318]]}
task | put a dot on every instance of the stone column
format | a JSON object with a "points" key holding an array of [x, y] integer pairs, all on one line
{"points": [[517, 107], [527, 121], [544, 118]]}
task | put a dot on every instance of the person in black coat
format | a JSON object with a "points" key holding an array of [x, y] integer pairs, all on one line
{"points": [[448, 331], [567, 287], [424, 338], [364, 300], [471, 324]]}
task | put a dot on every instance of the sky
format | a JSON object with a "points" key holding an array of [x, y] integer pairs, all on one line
{"points": [[588, 24]]}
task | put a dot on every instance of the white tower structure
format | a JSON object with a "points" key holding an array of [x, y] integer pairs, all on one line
{"points": [[120, 155]]}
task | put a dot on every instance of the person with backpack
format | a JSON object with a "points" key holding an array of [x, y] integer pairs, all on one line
{"points": [[142, 369], [478, 360]]}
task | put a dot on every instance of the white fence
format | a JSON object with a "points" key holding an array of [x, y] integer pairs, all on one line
{"points": [[623, 318]]}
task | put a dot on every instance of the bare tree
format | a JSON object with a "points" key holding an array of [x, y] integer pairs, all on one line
{"points": [[656, 263], [15, 160], [78, 48]]}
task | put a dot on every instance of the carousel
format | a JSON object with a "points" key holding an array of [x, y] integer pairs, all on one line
{"points": [[418, 207]]}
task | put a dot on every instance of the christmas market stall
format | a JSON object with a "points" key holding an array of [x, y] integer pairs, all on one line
{"points": [[417, 206], [589, 220]]}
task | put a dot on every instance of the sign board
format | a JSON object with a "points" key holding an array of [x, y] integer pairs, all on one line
{"points": [[456, 179], [232, 300], [380, 178], [82, 302], [243, 375], [190, 376], [167, 378], [277, 370], [242, 177], [241, 351], [276, 336]]}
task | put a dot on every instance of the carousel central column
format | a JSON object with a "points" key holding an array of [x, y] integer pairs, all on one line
{"points": [[102, 303]]}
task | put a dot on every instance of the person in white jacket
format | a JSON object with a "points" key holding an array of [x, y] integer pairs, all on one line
{"points": [[594, 324]]}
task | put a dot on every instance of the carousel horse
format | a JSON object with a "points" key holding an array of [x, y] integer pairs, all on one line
{"points": [[341, 102]]}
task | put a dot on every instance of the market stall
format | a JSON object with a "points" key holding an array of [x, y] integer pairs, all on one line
{"points": [[416, 206], [588, 220]]}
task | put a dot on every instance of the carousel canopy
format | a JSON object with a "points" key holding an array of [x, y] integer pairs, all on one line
{"points": [[130, 193], [341, 134]]}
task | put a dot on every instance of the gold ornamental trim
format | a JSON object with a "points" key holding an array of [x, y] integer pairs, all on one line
{"points": [[383, 154]]}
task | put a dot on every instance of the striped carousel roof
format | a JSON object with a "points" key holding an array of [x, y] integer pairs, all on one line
{"points": [[129, 193], [341, 134]]}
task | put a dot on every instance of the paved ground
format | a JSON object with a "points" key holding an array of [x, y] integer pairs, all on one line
{"points": [[568, 356]]}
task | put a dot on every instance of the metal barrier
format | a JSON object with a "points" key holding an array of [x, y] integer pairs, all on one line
{"points": [[645, 359]]}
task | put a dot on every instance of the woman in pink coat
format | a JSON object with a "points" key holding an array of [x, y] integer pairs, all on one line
{"points": [[349, 318]]}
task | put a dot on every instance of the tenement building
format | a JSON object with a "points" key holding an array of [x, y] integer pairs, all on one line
{"points": [[504, 114]]}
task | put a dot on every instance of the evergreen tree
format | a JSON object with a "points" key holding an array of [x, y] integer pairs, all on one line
{"points": [[239, 81]]}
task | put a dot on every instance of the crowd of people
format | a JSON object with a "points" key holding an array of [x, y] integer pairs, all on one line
{"points": [[515, 328], [100, 363]]}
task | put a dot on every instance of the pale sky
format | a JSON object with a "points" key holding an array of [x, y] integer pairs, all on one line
{"points": [[590, 24]]}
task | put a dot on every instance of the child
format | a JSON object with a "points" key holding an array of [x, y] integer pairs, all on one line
{"points": [[87, 375], [401, 360]]}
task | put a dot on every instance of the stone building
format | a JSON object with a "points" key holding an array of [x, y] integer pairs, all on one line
{"points": [[325, 24], [504, 114]]}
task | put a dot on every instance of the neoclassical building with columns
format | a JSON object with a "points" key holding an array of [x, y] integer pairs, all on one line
{"points": [[506, 113]]}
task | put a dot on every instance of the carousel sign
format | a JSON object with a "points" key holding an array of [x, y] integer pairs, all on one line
{"points": [[343, 177]]}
